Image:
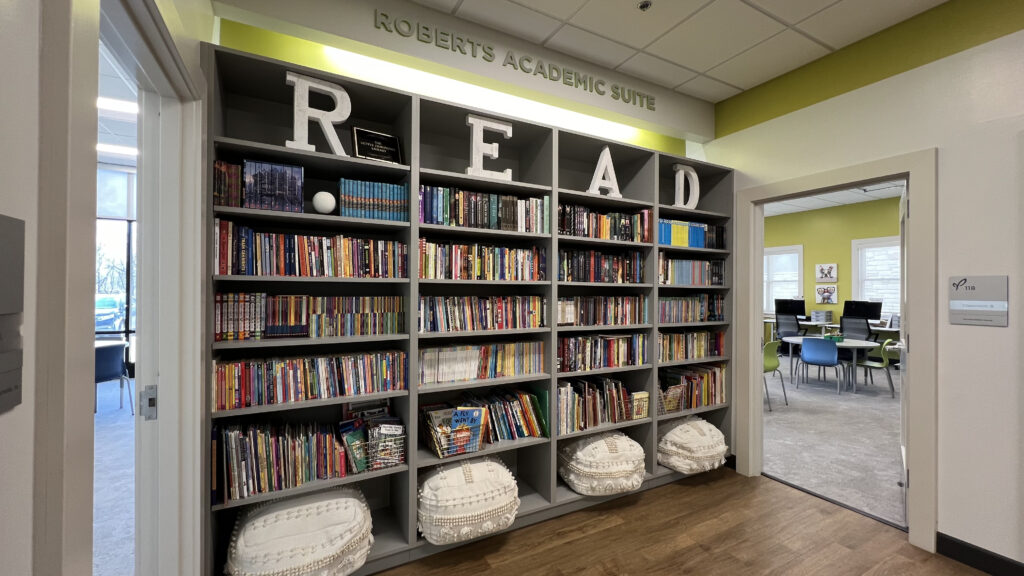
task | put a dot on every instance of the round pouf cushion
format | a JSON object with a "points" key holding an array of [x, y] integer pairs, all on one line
{"points": [[321, 534], [694, 445], [465, 500], [602, 464]]}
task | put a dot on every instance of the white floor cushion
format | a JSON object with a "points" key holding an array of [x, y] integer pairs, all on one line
{"points": [[466, 500], [320, 534], [691, 446], [606, 463]]}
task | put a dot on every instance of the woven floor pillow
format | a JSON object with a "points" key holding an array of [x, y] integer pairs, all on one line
{"points": [[321, 534], [694, 445], [466, 500], [607, 463]]}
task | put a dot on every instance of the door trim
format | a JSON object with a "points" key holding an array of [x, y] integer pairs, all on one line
{"points": [[920, 170]]}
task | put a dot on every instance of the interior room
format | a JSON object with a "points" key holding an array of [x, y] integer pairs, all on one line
{"points": [[824, 254], [463, 286]]}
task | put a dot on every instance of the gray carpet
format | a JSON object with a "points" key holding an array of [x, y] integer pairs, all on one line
{"points": [[844, 447], [113, 538]]}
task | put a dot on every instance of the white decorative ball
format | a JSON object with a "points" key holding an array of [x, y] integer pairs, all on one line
{"points": [[324, 202]]}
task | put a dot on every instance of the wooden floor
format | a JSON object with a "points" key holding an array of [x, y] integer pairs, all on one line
{"points": [[717, 523]]}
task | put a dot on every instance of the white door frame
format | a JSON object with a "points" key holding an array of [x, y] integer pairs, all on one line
{"points": [[170, 252], [920, 170]]}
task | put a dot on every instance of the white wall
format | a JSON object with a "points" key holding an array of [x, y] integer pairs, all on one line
{"points": [[19, 154], [971, 107]]}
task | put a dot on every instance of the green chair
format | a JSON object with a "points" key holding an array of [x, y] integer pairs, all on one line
{"points": [[771, 365], [880, 357]]}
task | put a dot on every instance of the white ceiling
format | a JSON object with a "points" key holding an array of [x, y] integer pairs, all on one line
{"points": [[119, 129], [838, 198], [710, 49]]}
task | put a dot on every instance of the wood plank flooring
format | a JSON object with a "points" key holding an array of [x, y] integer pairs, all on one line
{"points": [[718, 523]]}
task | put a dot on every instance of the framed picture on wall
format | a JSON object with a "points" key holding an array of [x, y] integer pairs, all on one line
{"points": [[826, 294], [825, 272]]}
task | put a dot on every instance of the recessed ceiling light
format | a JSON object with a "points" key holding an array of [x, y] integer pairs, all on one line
{"points": [[117, 150], [123, 106], [644, 5]]}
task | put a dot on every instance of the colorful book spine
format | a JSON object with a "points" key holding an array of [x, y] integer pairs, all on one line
{"points": [[690, 345], [584, 404], [697, 308], [690, 234], [582, 221], [596, 266], [373, 200], [601, 310], [690, 272], [592, 352], [690, 387], [481, 262], [463, 313], [270, 186], [450, 364], [454, 207]]}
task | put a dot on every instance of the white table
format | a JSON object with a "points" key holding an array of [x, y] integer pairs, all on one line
{"points": [[849, 344]]}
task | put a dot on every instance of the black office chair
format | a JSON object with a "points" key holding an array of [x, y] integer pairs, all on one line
{"points": [[853, 329], [788, 325], [110, 365]]}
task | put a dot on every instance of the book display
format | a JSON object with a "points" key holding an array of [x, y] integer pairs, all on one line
{"points": [[484, 289]]}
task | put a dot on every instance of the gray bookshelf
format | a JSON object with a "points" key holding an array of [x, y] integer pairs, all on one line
{"points": [[250, 117]]}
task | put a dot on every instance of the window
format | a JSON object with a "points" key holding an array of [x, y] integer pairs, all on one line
{"points": [[876, 271], [115, 250], [783, 274]]}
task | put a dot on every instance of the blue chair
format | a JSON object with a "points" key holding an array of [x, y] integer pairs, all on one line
{"points": [[110, 365], [822, 353]]}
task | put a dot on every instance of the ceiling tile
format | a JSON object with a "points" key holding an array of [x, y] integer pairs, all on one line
{"points": [[561, 9], [792, 11], [656, 70], [707, 89], [773, 57], [508, 17], [620, 20], [851, 20], [442, 5], [777, 208], [715, 34], [590, 47]]}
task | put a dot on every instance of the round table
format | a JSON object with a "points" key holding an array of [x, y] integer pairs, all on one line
{"points": [[849, 344]]}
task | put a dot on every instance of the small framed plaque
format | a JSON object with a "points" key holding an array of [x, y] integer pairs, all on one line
{"points": [[376, 146]]}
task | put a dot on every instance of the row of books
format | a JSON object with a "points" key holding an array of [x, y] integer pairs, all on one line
{"points": [[591, 352], [455, 207], [481, 262], [246, 383], [696, 308], [459, 313], [690, 345], [601, 310], [597, 266], [690, 272], [450, 364], [691, 387], [477, 420], [373, 439], [690, 234], [264, 458], [583, 221], [254, 316], [583, 404], [373, 200], [258, 185], [241, 250]]}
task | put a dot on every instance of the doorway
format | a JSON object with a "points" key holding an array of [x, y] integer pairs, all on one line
{"points": [[834, 258]]}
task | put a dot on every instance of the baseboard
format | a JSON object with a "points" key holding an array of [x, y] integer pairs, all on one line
{"points": [[975, 557]]}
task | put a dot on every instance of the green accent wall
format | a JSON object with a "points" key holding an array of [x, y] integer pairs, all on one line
{"points": [[826, 235], [932, 35]]}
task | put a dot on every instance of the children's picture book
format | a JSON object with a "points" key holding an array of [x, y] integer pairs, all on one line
{"points": [[353, 436], [466, 428]]}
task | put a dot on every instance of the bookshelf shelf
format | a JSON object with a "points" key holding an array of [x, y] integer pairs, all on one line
{"points": [[314, 486], [605, 284], [307, 219], [597, 371], [483, 233], [305, 404], [427, 458], [319, 161], [603, 328], [689, 361], [235, 278], [250, 115], [688, 250], [566, 196], [480, 183], [691, 411], [482, 383], [604, 428], [563, 239], [302, 342], [480, 333]]}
